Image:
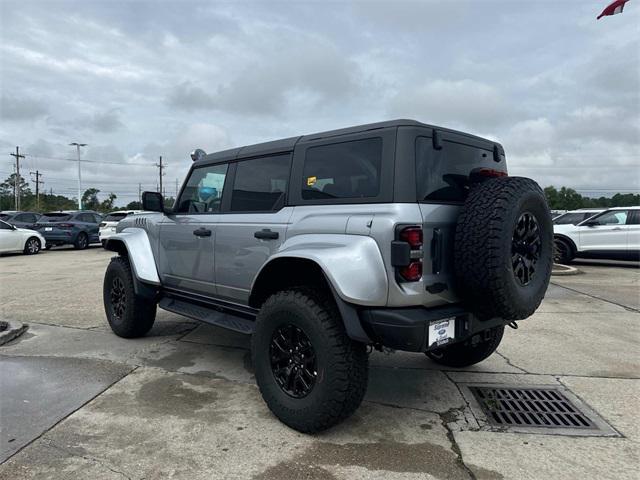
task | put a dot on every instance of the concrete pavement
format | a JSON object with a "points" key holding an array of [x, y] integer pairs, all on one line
{"points": [[182, 403]]}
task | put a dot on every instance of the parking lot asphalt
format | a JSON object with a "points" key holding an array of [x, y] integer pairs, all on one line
{"points": [[78, 402]]}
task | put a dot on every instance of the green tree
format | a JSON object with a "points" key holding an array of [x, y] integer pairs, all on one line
{"points": [[134, 205], [90, 199], [7, 192], [107, 205]]}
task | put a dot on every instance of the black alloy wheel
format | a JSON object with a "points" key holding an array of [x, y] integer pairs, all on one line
{"points": [[525, 248], [118, 298], [293, 361], [82, 242]]}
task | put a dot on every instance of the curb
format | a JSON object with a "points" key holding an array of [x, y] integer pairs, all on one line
{"points": [[563, 270], [11, 331]]}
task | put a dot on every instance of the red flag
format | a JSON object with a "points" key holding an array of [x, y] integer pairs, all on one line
{"points": [[614, 7]]}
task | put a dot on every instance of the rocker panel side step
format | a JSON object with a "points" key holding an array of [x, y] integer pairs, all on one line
{"points": [[207, 315]]}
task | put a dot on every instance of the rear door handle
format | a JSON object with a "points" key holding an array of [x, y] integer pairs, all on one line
{"points": [[202, 232], [266, 234]]}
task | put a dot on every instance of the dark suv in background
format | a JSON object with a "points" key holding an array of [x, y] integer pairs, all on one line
{"points": [[21, 219], [77, 228]]}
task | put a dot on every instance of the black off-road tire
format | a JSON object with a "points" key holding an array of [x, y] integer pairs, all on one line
{"points": [[470, 352], [32, 246], [133, 316], [341, 363], [484, 246], [562, 251], [82, 241]]}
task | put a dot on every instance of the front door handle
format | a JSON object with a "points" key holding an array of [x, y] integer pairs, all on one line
{"points": [[616, 229], [266, 234], [202, 232]]}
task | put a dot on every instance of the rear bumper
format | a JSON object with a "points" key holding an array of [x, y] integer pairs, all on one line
{"points": [[58, 237], [407, 328]]}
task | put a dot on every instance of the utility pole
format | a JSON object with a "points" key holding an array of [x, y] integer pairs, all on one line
{"points": [[139, 192], [161, 168], [37, 182], [176, 189], [16, 184], [78, 145]]}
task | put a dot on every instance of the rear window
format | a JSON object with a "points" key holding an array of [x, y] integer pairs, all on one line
{"points": [[443, 175], [55, 217], [343, 170], [4, 216], [115, 217]]}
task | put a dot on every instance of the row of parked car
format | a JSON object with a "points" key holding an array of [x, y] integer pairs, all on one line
{"points": [[613, 233], [29, 232]]}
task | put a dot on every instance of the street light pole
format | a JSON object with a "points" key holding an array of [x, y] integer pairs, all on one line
{"points": [[78, 145]]}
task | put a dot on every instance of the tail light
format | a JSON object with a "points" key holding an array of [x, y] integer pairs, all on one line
{"points": [[480, 174], [103, 224], [65, 225], [406, 253]]}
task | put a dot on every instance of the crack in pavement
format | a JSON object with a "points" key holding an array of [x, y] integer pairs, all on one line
{"points": [[626, 307], [49, 442], [511, 364]]}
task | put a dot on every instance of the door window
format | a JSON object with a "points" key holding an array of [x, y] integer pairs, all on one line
{"points": [[612, 217], [25, 217], [343, 170], [203, 190], [260, 184]]}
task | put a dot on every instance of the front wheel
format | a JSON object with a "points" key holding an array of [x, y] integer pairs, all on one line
{"points": [[562, 251], [32, 246], [463, 354], [310, 373], [128, 314]]}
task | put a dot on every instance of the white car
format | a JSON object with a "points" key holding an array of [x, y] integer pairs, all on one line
{"points": [[614, 233], [13, 239], [109, 222]]}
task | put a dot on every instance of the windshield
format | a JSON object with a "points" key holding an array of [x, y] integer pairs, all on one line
{"points": [[572, 218], [114, 217], [55, 217]]}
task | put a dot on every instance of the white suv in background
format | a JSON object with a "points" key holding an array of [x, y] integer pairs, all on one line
{"points": [[614, 233], [109, 222]]}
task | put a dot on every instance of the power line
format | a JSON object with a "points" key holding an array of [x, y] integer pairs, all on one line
{"points": [[92, 161]]}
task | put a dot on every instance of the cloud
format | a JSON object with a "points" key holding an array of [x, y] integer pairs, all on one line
{"points": [[189, 97], [106, 122], [459, 103], [20, 108]]}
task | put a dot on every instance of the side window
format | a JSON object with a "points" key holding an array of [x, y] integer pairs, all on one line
{"points": [[97, 218], [21, 218], [203, 190], [612, 217], [342, 170], [260, 184], [634, 217], [83, 217], [4, 226]]}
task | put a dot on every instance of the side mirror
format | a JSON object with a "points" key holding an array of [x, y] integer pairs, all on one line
{"points": [[152, 201]]}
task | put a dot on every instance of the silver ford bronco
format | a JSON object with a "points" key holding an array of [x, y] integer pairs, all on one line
{"points": [[396, 235]]}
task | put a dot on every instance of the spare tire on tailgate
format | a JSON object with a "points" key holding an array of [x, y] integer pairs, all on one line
{"points": [[504, 248]]}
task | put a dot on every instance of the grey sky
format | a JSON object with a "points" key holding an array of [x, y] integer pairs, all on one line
{"points": [[134, 80]]}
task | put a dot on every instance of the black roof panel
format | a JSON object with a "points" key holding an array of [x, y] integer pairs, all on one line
{"points": [[287, 144]]}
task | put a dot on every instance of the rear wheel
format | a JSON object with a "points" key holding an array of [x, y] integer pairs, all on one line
{"points": [[82, 241], [463, 354], [129, 315], [32, 246], [310, 373]]}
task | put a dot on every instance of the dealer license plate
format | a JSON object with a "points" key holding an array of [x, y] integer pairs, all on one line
{"points": [[441, 332], [48, 229]]}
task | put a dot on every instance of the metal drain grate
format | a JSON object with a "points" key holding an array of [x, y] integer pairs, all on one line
{"points": [[530, 407]]}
